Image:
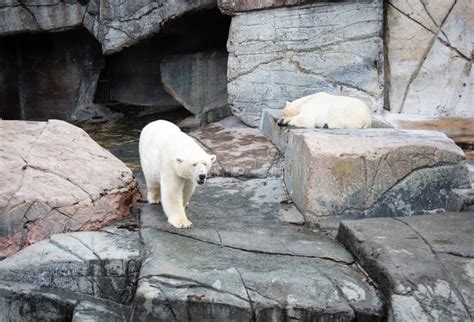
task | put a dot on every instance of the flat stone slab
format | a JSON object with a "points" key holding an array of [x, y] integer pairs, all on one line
{"points": [[349, 174], [242, 260], [54, 178], [424, 265], [241, 151], [102, 264]]}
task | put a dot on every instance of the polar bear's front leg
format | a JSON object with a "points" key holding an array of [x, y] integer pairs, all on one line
{"points": [[154, 194], [188, 191], [172, 201]]}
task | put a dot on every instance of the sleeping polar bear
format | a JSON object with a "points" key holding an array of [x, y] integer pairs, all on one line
{"points": [[324, 110], [173, 164]]}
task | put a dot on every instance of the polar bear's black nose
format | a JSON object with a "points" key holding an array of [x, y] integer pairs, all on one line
{"points": [[202, 176]]}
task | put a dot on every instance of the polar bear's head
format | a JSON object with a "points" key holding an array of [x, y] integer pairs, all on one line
{"points": [[195, 169]]}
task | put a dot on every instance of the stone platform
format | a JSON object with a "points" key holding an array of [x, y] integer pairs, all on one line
{"points": [[243, 261], [381, 172], [424, 265]]}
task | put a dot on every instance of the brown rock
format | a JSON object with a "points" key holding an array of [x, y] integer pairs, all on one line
{"points": [[54, 178], [241, 151]]}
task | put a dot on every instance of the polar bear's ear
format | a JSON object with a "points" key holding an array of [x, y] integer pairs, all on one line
{"points": [[212, 157], [179, 160]]}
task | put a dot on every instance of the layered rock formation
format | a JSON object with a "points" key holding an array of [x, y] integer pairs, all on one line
{"points": [[114, 25]]}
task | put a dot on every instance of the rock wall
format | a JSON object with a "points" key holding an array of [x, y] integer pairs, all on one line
{"points": [[429, 57], [199, 82], [48, 75], [114, 25], [283, 54]]}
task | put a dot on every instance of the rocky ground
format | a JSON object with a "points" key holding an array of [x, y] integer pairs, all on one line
{"points": [[250, 256]]}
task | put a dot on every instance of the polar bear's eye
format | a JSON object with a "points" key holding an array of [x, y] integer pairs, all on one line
{"points": [[194, 164]]}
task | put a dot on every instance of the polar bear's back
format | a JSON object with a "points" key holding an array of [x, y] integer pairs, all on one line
{"points": [[336, 111]]}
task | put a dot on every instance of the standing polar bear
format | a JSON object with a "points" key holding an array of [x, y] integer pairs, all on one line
{"points": [[324, 110], [173, 164]]}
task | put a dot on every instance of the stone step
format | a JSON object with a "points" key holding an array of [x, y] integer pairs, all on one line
{"points": [[350, 174], [424, 265], [243, 261]]}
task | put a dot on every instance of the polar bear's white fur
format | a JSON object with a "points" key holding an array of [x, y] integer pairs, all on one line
{"points": [[173, 164], [324, 110]]}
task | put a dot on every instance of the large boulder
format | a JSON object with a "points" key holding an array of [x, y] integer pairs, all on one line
{"points": [[337, 174], [429, 51], [114, 24], [199, 82], [282, 54], [54, 178]]}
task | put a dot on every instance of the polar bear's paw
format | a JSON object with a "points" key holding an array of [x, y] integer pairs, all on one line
{"points": [[284, 121], [181, 222], [153, 198]]}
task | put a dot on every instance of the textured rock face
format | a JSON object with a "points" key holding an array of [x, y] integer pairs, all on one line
{"points": [[114, 25], [283, 54], [100, 264], [53, 74], [374, 172], [54, 178], [232, 7], [82, 276], [429, 45], [423, 265], [199, 82]]}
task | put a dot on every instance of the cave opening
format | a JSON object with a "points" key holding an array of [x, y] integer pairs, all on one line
{"points": [[183, 65]]}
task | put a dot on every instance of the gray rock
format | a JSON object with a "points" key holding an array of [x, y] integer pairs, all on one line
{"points": [[114, 25], [337, 174], [56, 179], [199, 82], [26, 302], [282, 54], [241, 260], [100, 264], [429, 51], [424, 265], [231, 7], [87, 311]]}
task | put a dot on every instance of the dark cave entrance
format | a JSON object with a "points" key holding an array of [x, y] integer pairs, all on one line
{"points": [[64, 75], [48, 75], [191, 44]]}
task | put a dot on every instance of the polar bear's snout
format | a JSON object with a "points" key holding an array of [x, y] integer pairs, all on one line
{"points": [[201, 175]]}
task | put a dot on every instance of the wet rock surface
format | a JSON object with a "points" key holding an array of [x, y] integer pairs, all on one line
{"points": [[283, 54], [54, 178], [424, 265], [337, 174], [241, 151], [241, 260]]}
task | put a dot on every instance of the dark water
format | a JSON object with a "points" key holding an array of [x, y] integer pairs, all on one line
{"points": [[121, 136]]}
